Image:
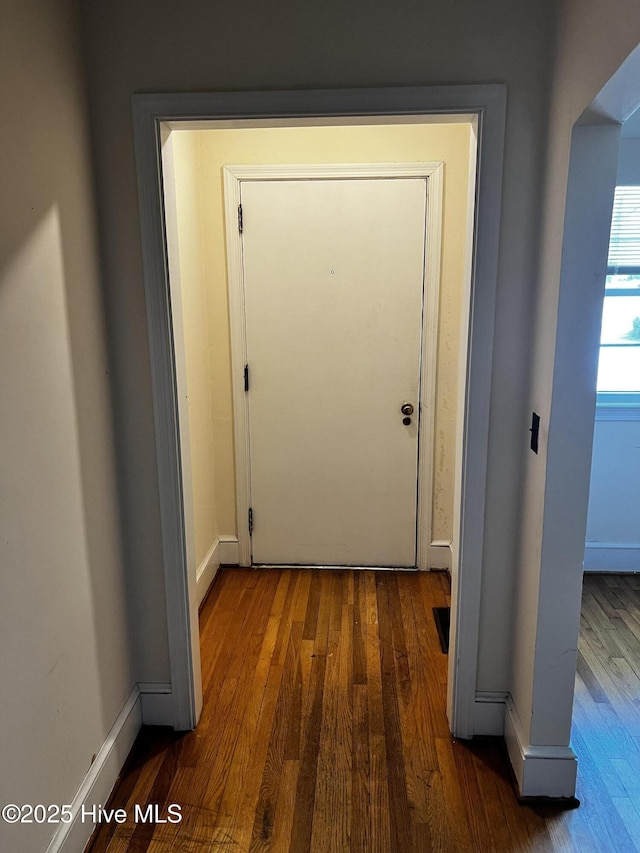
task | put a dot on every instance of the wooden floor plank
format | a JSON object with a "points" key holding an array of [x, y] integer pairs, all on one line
{"points": [[324, 729], [333, 783], [360, 841], [399, 812], [380, 826], [273, 767], [302, 824], [456, 809]]}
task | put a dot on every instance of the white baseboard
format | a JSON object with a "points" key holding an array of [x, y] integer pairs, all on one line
{"points": [[440, 554], [229, 553], [223, 552], [612, 557], [540, 771], [99, 781], [157, 703], [488, 713], [206, 571]]}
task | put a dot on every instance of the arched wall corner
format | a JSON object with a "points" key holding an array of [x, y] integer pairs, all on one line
{"points": [[539, 710]]}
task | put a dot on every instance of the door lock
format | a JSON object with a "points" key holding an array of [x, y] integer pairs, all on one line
{"points": [[406, 409]]}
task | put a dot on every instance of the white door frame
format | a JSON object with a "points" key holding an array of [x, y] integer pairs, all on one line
{"points": [[433, 173], [486, 103]]}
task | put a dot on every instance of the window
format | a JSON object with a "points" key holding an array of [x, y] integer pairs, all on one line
{"points": [[619, 365]]}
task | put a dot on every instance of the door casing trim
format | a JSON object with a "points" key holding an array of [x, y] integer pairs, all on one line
{"points": [[433, 173], [487, 103]]}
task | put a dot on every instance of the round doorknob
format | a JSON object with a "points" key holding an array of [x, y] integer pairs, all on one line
{"points": [[406, 409]]}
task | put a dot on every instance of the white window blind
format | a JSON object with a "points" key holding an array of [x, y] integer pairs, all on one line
{"points": [[624, 244], [619, 365]]}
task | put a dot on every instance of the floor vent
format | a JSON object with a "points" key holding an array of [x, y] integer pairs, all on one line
{"points": [[442, 618]]}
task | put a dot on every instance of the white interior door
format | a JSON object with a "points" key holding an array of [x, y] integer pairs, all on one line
{"points": [[334, 279]]}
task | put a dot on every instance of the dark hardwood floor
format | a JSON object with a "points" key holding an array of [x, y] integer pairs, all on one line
{"points": [[606, 718], [324, 729]]}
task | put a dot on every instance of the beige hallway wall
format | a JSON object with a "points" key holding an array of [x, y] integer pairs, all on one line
{"points": [[197, 336]]}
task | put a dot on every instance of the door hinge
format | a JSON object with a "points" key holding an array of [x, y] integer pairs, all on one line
{"points": [[250, 521], [246, 377], [240, 218]]}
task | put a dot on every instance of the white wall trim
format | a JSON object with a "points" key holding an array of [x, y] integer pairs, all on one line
{"points": [[157, 702], [101, 777], [179, 575], [159, 710], [154, 687], [223, 552], [489, 713], [487, 104], [617, 413], [229, 550], [331, 171], [440, 554], [465, 609], [472, 429], [238, 338], [540, 771], [428, 377], [433, 173], [207, 570], [612, 557]]}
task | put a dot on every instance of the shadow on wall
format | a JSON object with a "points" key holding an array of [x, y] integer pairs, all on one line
{"points": [[62, 598]]}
